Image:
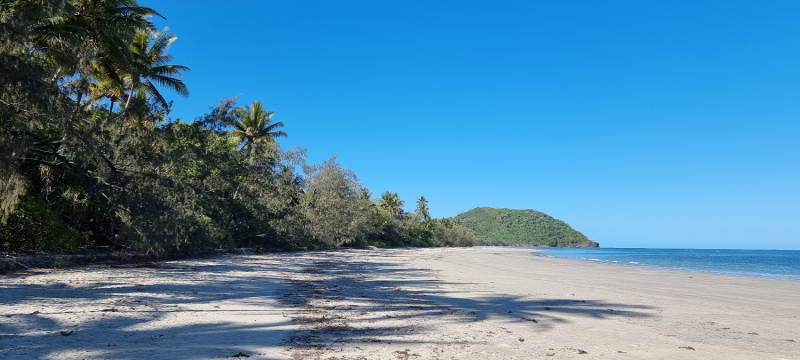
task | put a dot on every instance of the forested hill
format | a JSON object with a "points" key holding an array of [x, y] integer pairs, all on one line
{"points": [[528, 227]]}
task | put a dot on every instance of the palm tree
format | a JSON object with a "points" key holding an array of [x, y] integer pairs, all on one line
{"points": [[76, 33], [253, 126], [145, 112], [391, 203], [364, 193], [105, 83], [422, 212], [87, 39], [150, 66]]}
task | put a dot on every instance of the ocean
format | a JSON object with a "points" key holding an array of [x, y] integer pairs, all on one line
{"points": [[783, 264]]}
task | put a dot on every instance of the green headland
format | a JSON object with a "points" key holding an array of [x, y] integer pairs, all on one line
{"points": [[527, 227]]}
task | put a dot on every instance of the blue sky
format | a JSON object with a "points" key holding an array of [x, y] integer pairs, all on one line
{"points": [[640, 123]]}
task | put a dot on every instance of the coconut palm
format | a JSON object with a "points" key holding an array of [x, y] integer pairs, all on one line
{"points": [[151, 66], [423, 213], [364, 193], [391, 203], [86, 41], [145, 112], [253, 127], [77, 33], [105, 83]]}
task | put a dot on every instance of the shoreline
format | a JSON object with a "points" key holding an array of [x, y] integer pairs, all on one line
{"points": [[436, 303]]}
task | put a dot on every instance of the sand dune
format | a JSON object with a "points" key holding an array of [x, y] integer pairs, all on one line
{"points": [[477, 303]]}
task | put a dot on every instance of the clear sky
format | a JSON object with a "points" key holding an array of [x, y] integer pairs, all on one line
{"points": [[639, 123]]}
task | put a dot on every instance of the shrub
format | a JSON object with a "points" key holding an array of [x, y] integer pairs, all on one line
{"points": [[36, 227]]}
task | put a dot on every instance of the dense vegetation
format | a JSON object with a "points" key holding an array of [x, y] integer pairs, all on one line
{"points": [[521, 228], [89, 157]]}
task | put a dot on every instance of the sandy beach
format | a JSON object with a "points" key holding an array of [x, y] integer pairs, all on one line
{"points": [[470, 303]]}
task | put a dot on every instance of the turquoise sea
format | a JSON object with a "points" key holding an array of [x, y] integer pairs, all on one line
{"points": [[766, 263]]}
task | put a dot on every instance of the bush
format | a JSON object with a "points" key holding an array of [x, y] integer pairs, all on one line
{"points": [[36, 227], [451, 233]]}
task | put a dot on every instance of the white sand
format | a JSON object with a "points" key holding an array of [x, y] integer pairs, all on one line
{"points": [[479, 303]]}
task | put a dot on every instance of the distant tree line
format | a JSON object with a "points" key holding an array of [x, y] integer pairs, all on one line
{"points": [[89, 157]]}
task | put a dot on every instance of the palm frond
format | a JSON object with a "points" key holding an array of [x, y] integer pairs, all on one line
{"points": [[171, 83], [151, 89]]}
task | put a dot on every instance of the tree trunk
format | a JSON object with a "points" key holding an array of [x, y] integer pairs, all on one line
{"points": [[110, 110], [127, 103], [130, 96]]}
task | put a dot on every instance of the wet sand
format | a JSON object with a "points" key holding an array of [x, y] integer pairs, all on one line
{"points": [[477, 303]]}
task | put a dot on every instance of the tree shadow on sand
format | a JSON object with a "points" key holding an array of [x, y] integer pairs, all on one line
{"points": [[128, 313], [346, 301], [315, 302]]}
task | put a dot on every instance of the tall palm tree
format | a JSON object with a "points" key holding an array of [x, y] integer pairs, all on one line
{"points": [[253, 127], [151, 66], [423, 213], [391, 203]]}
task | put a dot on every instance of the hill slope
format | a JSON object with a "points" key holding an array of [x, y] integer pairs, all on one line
{"points": [[521, 227]]}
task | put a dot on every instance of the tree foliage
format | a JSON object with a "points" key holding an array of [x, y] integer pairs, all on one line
{"points": [[422, 213], [151, 66], [390, 203], [253, 127], [331, 208]]}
